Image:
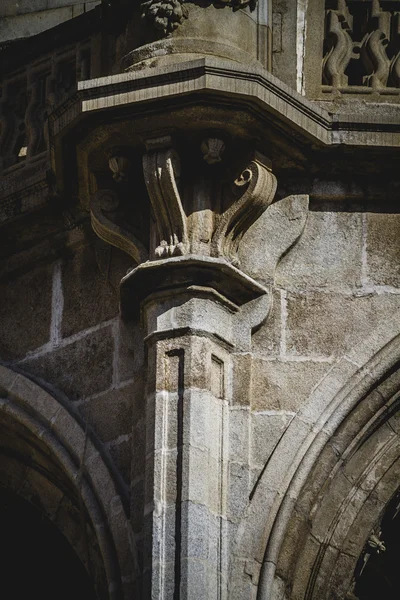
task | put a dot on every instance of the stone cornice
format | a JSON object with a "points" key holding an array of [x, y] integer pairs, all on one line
{"points": [[253, 89]]}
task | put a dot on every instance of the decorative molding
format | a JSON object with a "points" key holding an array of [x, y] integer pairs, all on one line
{"points": [[161, 167], [170, 223], [103, 213], [258, 187], [119, 165]]}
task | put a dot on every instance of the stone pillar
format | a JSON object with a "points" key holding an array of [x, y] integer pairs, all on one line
{"points": [[190, 337]]}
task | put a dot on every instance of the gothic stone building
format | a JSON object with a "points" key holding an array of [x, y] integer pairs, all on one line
{"points": [[200, 299]]}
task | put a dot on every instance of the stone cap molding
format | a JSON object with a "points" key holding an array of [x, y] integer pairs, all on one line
{"points": [[252, 88], [199, 275]]}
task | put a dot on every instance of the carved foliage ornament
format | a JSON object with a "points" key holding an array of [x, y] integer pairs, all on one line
{"points": [[252, 193], [166, 15], [161, 172], [370, 57]]}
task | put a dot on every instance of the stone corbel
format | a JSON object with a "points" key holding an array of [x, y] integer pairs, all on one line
{"points": [[103, 208], [161, 167], [258, 186]]}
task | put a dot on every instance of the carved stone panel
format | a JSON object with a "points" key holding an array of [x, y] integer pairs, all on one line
{"points": [[361, 46]]}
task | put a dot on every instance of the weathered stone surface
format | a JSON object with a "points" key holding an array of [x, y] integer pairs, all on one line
{"points": [[25, 19], [383, 249], [110, 413], [283, 385], [273, 235], [251, 457], [79, 369], [90, 280], [25, 312], [328, 254], [267, 429], [321, 324], [121, 452]]}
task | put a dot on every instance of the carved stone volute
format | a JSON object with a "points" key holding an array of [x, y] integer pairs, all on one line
{"points": [[254, 190], [178, 230]]}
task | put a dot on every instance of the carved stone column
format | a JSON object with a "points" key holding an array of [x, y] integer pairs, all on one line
{"points": [[189, 311], [189, 296], [179, 201]]}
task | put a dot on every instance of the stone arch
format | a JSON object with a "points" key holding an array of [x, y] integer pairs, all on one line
{"points": [[55, 458], [348, 384], [344, 498]]}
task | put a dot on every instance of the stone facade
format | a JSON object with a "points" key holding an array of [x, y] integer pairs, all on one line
{"points": [[200, 298]]}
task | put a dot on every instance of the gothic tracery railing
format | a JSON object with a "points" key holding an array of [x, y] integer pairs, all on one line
{"points": [[362, 46]]}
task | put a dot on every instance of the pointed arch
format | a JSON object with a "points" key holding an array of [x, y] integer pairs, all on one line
{"points": [[67, 457], [346, 387]]}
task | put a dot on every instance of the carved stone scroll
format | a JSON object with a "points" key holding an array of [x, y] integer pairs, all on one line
{"points": [[161, 170], [103, 205], [258, 187]]}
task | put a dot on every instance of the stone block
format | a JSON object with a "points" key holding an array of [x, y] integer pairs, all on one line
{"points": [[239, 434], [25, 312], [383, 249], [282, 385], [130, 351], [80, 369], [266, 429], [90, 291], [328, 254], [110, 414], [137, 505], [138, 448], [241, 379], [121, 452], [197, 530], [320, 324], [238, 490]]}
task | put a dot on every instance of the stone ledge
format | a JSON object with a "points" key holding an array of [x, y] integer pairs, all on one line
{"points": [[194, 274], [254, 89]]}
